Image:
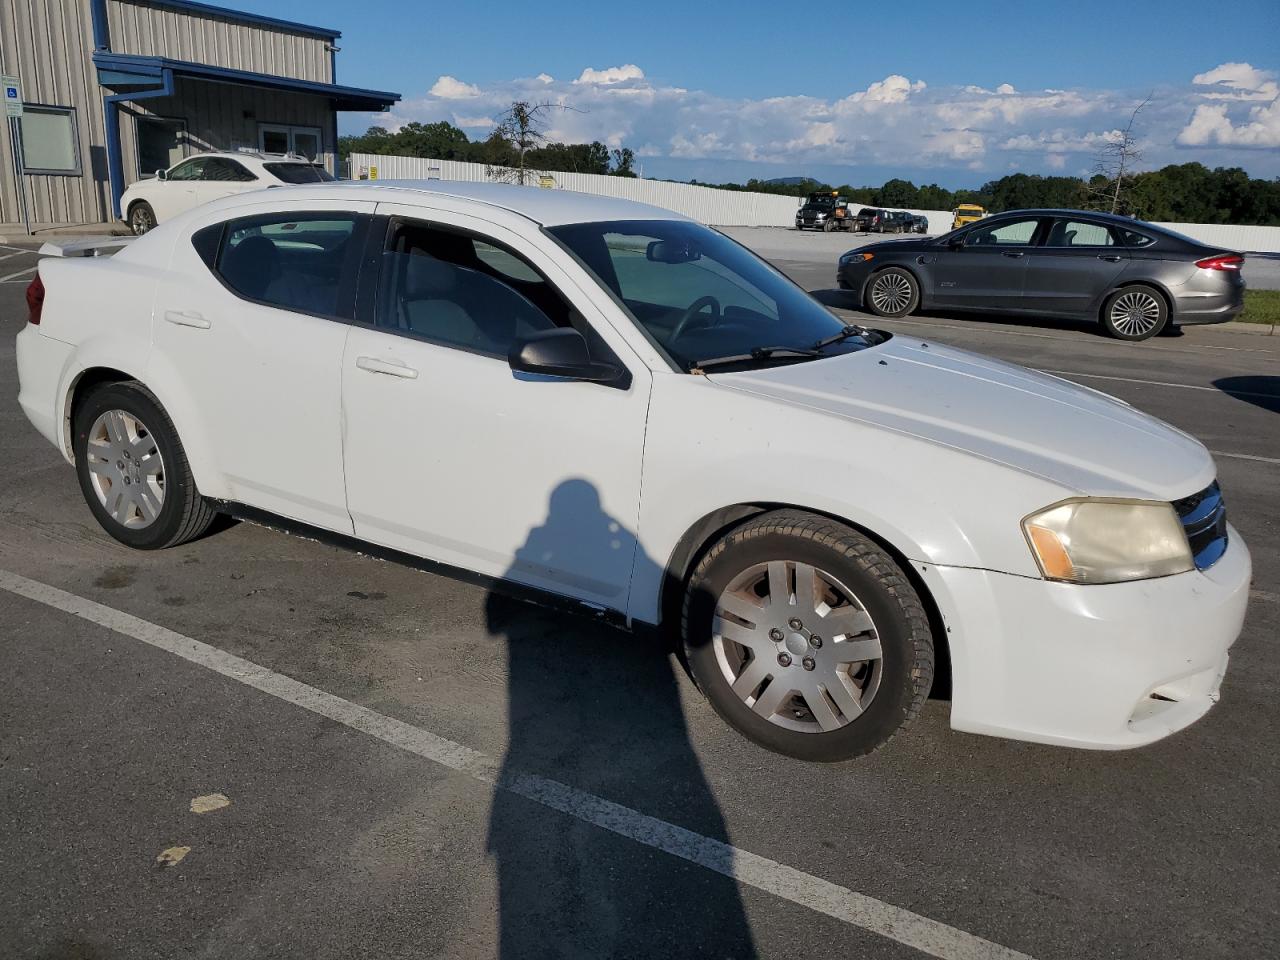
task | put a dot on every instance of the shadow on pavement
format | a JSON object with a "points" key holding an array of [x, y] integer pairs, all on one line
{"points": [[601, 711], [1261, 391]]}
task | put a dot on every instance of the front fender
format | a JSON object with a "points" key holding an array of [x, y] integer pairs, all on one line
{"points": [[708, 448]]}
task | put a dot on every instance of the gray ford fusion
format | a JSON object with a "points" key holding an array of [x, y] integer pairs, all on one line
{"points": [[1132, 277]]}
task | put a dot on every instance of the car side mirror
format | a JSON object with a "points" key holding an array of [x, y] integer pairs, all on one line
{"points": [[956, 243], [561, 352], [162, 174]]}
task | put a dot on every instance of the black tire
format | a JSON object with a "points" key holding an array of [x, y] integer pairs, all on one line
{"points": [[184, 514], [900, 306], [1149, 316], [880, 586], [142, 218], [828, 226]]}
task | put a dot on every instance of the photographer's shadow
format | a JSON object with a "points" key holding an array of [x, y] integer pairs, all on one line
{"points": [[598, 709]]}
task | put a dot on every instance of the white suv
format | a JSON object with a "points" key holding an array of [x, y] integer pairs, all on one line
{"points": [[212, 176], [609, 403]]}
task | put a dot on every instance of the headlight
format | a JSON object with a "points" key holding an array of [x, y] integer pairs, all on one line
{"points": [[852, 256], [1108, 541]]}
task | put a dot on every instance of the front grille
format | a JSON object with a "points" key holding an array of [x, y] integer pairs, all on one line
{"points": [[1204, 518]]}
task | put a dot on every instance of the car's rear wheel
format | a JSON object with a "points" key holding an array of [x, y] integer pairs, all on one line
{"points": [[893, 292], [1135, 313], [133, 470], [141, 218], [806, 637]]}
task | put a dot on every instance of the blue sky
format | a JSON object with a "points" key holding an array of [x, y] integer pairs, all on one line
{"points": [[849, 91]]}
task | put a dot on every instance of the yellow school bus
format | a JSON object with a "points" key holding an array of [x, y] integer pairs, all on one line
{"points": [[966, 213]]}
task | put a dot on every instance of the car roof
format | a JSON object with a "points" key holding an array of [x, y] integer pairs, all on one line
{"points": [[547, 207], [1067, 212]]}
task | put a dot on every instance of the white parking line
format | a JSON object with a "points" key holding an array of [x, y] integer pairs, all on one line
{"points": [[911, 929], [1005, 332], [13, 276], [10, 256], [1163, 383], [1245, 456]]}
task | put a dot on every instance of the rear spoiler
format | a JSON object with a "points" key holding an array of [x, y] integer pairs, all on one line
{"points": [[96, 247]]}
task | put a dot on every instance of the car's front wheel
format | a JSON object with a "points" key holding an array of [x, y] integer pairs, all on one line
{"points": [[893, 292], [1134, 313], [141, 218], [133, 470], [806, 637]]}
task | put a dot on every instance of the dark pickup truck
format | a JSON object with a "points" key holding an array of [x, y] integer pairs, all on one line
{"points": [[825, 211]]}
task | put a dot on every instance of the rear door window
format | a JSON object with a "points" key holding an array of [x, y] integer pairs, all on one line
{"points": [[303, 262], [220, 168], [1079, 233]]}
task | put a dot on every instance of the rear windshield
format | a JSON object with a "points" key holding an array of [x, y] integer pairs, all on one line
{"points": [[868, 212], [299, 172]]}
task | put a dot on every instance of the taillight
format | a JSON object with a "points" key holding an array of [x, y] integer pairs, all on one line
{"points": [[35, 299], [1227, 261]]}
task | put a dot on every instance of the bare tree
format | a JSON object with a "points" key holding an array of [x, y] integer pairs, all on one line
{"points": [[1115, 160], [522, 126]]}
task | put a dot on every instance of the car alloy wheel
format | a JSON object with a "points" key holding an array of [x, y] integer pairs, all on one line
{"points": [[126, 469], [891, 293], [1135, 314], [141, 219], [808, 660]]}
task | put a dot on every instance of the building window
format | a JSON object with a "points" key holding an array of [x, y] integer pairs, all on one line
{"points": [[49, 141], [280, 138], [161, 143]]}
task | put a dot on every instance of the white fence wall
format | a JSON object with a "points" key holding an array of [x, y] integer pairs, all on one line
{"points": [[732, 208]]}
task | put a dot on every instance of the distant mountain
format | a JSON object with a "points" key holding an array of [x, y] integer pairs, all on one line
{"points": [[789, 181]]}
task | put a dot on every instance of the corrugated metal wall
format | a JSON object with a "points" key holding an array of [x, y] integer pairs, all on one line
{"points": [[223, 116], [47, 44], [137, 27], [701, 203], [730, 208]]}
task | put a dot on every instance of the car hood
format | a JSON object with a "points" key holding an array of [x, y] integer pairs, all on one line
{"points": [[1074, 436]]}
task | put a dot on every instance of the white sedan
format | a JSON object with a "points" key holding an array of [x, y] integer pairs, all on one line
{"points": [[606, 402], [211, 176]]}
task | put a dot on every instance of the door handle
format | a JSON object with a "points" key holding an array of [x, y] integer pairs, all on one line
{"points": [[1013, 254], [187, 318], [1109, 257], [393, 368]]}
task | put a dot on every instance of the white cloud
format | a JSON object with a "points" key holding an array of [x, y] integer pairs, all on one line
{"points": [[1211, 124], [892, 89], [611, 75], [1238, 81], [450, 88], [895, 122]]}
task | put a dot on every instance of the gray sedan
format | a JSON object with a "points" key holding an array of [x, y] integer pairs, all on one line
{"points": [[1132, 277]]}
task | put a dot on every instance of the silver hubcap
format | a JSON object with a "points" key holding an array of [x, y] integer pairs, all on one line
{"points": [[797, 646], [1134, 314], [891, 292], [126, 470]]}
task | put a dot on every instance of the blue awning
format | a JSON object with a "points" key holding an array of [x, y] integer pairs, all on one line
{"points": [[122, 71]]}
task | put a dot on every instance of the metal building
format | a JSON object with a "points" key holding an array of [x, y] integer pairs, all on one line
{"points": [[113, 90]]}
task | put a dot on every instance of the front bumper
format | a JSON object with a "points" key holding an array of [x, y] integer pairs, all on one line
{"points": [[1104, 667]]}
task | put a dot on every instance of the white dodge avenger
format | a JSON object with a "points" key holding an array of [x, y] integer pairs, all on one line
{"points": [[610, 404]]}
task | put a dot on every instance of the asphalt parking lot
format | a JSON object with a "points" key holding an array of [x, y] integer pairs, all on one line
{"points": [[417, 767]]}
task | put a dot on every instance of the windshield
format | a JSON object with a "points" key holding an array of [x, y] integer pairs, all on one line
{"points": [[821, 202], [700, 295], [299, 172]]}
